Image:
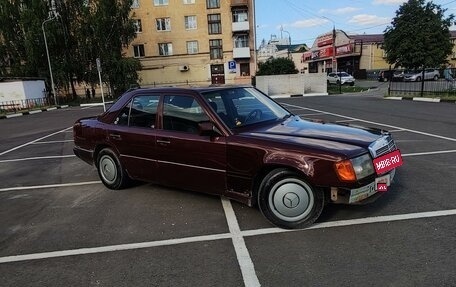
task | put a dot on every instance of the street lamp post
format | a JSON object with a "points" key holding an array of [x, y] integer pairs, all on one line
{"points": [[334, 59], [51, 17]]}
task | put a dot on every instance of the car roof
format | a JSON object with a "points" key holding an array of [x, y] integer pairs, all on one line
{"points": [[195, 89]]}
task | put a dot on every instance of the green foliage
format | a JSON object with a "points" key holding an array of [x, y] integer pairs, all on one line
{"points": [[419, 36], [277, 66], [75, 39]]}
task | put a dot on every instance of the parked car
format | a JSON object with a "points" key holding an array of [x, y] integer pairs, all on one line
{"points": [[341, 78], [389, 75], [417, 76], [236, 142]]}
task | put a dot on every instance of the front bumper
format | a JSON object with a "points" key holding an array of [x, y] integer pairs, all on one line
{"points": [[362, 195]]}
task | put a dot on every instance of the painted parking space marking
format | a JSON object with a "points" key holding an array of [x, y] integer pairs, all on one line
{"points": [[16, 188], [31, 142], [429, 153], [242, 253], [345, 121], [396, 131], [52, 142], [233, 233], [37, 158], [376, 123], [313, 114]]}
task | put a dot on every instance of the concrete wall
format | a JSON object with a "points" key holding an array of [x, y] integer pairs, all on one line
{"points": [[21, 90], [294, 84]]}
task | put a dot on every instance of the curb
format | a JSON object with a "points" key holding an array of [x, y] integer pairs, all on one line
{"points": [[428, 100], [284, 96], [32, 112]]}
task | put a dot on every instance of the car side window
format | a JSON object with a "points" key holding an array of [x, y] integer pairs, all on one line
{"points": [[141, 111], [182, 113]]}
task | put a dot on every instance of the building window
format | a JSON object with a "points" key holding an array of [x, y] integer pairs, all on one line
{"points": [[216, 49], [240, 16], [244, 69], [192, 47], [138, 51], [214, 23], [163, 24], [190, 22], [165, 49], [137, 25], [160, 2], [241, 41], [211, 4], [189, 1], [135, 4]]}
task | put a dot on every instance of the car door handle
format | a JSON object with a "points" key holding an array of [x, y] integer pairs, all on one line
{"points": [[163, 142], [115, 136]]}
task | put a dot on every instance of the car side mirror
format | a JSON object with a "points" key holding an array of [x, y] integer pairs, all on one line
{"points": [[208, 129]]}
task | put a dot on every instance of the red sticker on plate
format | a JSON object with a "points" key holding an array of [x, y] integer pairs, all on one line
{"points": [[388, 162], [382, 187]]}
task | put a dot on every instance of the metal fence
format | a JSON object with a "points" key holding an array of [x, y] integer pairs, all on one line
{"points": [[19, 105], [418, 84]]}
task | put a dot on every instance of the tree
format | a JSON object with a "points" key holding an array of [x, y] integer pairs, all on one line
{"points": [[419, 36], [277, 66], [82, 32]]}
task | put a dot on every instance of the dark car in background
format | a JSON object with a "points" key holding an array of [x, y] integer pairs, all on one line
{"points": [[234, 142], [390, 75]]}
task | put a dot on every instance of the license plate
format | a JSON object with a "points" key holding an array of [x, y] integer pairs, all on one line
{"points": [[362, 192], [368, 190]]}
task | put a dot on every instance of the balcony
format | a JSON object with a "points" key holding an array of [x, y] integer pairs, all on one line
{"points": [[241, 26], [239, 3], [241, 53]]}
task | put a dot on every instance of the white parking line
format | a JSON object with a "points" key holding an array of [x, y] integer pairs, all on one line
{"points": [[264, 231], [48, 186], [26, 144], [345, 121], [52, 142], [242, 254], [428, 153], [37, 158], [313, 114], [375, 123], [395, 131]]}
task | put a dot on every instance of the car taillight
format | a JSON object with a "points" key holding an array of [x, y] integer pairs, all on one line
{"points": [[345, 171]]}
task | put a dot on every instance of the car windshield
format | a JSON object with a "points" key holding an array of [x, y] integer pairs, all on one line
{"points": [[239, 107], [343, 74]]}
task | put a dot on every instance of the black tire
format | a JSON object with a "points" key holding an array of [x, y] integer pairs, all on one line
{"points": [[328, 82], [110, 171], [337, 82], [418, 79], [288, 201], [436, 78], [352, 84]]}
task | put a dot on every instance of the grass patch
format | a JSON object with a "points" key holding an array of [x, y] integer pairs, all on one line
{"points": [[334, 89]]}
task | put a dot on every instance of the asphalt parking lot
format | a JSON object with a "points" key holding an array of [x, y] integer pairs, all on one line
{"points": [[59, 226]]}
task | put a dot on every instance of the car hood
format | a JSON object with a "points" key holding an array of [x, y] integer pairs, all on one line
{"points": [[295, 127]]}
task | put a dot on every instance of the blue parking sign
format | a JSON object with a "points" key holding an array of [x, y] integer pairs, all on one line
{"points": [[232, 65]]}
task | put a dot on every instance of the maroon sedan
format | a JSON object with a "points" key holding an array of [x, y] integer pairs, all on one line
{"points": [[235, 142]]}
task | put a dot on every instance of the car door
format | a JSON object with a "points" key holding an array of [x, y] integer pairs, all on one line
{"points": [[185, 158], [133, 135]]}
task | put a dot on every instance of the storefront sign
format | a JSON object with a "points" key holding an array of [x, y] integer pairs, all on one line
{"points": [[345, 49], [325, 40]]}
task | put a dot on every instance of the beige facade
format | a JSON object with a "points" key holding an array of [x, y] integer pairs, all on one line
{"points": [[194, 42]]}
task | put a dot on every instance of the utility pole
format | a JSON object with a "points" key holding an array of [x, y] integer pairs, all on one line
{"points": [[52, 15]]}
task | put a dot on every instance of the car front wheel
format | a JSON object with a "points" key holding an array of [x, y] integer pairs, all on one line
{"points": [[436, 78], [288, 201], [110, 170]]}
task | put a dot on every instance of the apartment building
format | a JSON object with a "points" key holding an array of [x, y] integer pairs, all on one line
{"points": [[194, 42]]}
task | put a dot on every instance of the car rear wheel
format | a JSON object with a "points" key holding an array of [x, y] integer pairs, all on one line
{"points": [[436, 78], [418, 79], [288, 201], [110, 170]]}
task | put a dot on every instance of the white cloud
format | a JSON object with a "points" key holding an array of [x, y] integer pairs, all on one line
{"points": [[388, 2], [308, 23], [339, 11], [367, 20]]}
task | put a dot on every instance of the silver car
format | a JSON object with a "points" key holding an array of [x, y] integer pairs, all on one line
{"points": [[417, 76], [341, 78]]}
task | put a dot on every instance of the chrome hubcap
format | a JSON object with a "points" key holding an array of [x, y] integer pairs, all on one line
{"points": [[108, 169], [291, 199]]}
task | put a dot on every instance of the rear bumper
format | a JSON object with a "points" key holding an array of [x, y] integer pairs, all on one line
{"points": [[84, 154]]}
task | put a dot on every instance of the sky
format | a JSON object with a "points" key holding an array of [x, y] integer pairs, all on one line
{"points": [[304, 20]]}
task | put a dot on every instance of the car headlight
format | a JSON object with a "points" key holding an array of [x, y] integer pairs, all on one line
{"points": [[362, 166], [355, 169]]}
